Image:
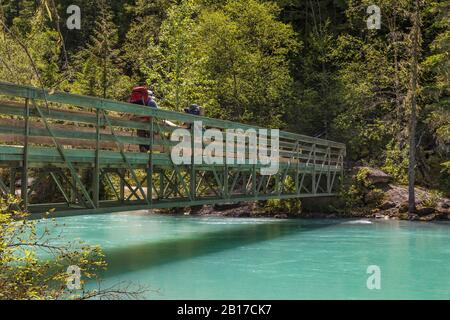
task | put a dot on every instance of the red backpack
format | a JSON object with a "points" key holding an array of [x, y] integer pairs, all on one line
{"points": [[139, 95]]}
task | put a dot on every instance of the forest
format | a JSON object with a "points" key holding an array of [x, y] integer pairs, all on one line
{"points": [[377, 80], [305, 66]]}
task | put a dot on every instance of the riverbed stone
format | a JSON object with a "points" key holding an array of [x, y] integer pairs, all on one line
{"points": [[443, 207], [425, 211], [429, 217], [403, 208], [376, 176], [404, 216], [386, 205]]}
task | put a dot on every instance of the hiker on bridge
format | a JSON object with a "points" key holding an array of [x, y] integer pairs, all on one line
{"points": [[143, 96], [195, 110]]}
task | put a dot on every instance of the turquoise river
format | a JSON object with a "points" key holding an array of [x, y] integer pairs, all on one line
{"points": [[229, 258]]}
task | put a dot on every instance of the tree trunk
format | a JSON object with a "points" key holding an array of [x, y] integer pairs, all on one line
{"points": [[413, 120]]}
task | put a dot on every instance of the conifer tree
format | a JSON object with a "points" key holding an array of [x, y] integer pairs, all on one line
{"points": [[100, 67]]}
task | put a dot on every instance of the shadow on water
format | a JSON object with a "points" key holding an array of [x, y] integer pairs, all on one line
{"points": [[148, 255]]}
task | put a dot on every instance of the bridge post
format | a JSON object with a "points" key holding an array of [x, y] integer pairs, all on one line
{"points": [[24, 177], [193, 178], [226, 191], [73, 193], [313, 177], [297, 172], [121, 185], [150, 166], [329, 187], [96, 173]]}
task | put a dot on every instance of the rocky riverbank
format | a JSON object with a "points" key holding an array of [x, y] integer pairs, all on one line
{"points": [[395, 205], [387, 200]]}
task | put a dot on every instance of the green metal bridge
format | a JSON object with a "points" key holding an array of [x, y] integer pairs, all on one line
{"points": [[85, 145]]}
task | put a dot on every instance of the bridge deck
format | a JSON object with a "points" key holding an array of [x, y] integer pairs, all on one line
{"points": [[88, 149]]}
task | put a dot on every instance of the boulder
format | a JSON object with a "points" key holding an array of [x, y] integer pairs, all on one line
{"points": [[393, 212], [376, 176], [403, 208], [429, 217], [425, 211], [373, 197], [386, 205], [443, 207], [404, 216]]}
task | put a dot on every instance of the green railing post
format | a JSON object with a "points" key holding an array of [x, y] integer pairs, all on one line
{"points": [[24, 186], [314, 189], [150, 165], [121, 173], [297, 173], [193, 172], [329, 170], [96, 175]]}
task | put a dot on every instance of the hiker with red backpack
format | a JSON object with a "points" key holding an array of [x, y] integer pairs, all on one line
{"points": [[144, 97]]}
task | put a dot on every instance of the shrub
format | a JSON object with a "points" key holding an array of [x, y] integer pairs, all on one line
{"points": [[288, 206], [396, 163], [358, 191], [26, 274]]}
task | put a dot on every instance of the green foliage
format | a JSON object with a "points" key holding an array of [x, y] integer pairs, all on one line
{"points": [[288, 206], [316, 87], [24, 273], [396, 163], [433, 199], [230, 58], [445, 178], [358, 192], [42, 42], [100, 70], [244, 50], [143, 35], [311, 67], [172, 68]]}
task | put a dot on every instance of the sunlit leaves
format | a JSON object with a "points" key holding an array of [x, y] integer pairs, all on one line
{"points": [[24, 272]]}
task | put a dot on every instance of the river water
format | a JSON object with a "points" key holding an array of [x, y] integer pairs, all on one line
{"points": [[226, 258]]}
